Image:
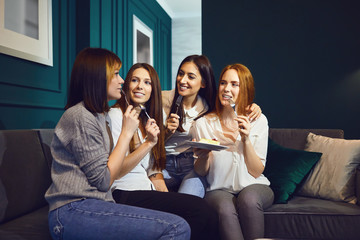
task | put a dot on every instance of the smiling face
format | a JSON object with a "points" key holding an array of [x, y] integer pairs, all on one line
{"points": [[229, 87], [189, 80], [114, 86], [140, 86]]}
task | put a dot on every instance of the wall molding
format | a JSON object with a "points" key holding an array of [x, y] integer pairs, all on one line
{"points": [[43, 86]]}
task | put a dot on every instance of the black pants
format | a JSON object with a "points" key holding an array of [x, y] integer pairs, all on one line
{"points": [[203, 220]]}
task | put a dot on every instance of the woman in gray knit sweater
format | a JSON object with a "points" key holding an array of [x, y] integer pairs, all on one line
{"points": [[84, 168]]}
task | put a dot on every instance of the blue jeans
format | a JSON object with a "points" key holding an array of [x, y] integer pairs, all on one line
{"points": [[179, 175], [97, 219]]}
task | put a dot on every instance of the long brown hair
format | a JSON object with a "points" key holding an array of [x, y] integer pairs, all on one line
{"points": [[247, 89], [90, 76], [154, 109], [208, 93]]}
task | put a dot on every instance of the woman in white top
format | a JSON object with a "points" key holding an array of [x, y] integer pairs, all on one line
{"points": [[237, 188], [196, 88], [143, 184]]}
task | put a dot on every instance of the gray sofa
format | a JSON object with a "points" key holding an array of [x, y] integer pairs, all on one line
{"points": [[311, 218], [25, 176]]}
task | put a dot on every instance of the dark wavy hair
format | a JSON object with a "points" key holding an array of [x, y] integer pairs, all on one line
{"points": [[90, 76], [153, 107], [208, 92]]}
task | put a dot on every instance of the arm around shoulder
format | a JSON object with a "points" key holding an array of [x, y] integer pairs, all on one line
{"points": [[167, 99]]}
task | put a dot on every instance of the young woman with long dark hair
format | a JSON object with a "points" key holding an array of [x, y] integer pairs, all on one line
{"points": [[143, 185]]}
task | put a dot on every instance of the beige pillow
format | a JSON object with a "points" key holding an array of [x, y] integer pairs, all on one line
{"points": [[333, 177]]}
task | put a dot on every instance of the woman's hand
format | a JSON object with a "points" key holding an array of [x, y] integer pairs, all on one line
{"points": [[172, 123], [152, 131], [253, 111], [201, 154], [130, 121], [201, 165], [244, 127]]}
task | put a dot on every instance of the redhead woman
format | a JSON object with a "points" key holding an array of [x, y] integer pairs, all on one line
{"points": [[84, 167], [237, 188], [142, 184]]}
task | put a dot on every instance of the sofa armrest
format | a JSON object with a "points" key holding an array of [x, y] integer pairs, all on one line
{"points": [[357, 185]]}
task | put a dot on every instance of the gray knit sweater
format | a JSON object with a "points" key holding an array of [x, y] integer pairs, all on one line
{"points": [[80, 150]]}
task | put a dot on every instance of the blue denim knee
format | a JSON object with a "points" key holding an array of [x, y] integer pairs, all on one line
{"points": [[97, 219]]}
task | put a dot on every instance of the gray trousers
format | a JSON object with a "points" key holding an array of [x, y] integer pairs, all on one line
{"points": [[241, 215]]}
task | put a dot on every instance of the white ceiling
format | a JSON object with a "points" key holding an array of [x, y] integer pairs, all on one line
{"points": [[181, 8]]}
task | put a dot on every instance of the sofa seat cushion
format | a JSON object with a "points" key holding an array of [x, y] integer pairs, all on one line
{"points": [[311, 218], [30, 226], [24, 174]]}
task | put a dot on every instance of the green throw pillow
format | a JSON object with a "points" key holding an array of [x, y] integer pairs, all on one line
{"points": [[285, 168]]}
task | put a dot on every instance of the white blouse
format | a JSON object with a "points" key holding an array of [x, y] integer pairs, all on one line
{"points": [[176, 144], [228, 170], [138, 177]]}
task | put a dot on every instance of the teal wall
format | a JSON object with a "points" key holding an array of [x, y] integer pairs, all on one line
{"points": [[304, 56], [33, 95], [109, 24]]}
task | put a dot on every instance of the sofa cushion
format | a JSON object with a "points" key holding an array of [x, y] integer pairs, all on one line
{"points": [[285, 168], [333, 177], [24, 173], [46, 136], [311, 218], [296, 138], [30, 226]]}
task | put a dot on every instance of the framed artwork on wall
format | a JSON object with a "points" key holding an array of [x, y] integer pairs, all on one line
{"points": [[26, 30], [142, 42]]}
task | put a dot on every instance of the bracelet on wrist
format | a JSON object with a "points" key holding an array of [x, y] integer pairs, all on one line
{"points": [[154, 175]]}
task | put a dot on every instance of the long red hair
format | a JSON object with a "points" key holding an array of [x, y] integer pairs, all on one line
{"points": [[247, 89]]}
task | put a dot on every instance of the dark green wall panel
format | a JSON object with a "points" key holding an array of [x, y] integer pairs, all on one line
{"points": [[147, 17], [32, 94], [304, 56], [20, 117], [107, 23], [82, 24], [95, 23], [111, 27], [164, 56]]}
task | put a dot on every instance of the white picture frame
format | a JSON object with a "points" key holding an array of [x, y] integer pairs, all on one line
{"points": [[142, 31], [19, 45]]}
